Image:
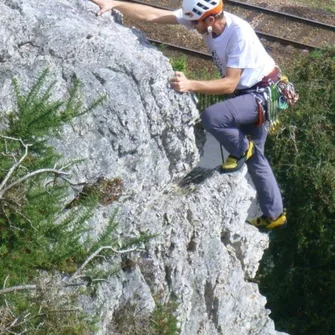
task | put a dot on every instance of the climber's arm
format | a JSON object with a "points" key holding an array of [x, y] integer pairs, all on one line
{"points": [[137, 11]]}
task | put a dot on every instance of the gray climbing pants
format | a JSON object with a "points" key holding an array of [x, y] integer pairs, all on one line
{"points": [[229, 122]]}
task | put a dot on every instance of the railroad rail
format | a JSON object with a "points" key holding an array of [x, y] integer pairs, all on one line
{"points": [[270, 25]]}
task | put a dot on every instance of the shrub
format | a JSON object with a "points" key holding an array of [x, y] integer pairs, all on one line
{"points": [[129, 320], [39, 232], [300, 284]]}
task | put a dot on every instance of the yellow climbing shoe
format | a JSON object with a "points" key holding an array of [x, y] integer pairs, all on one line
{"points": [[233, 163], [265, 222]]}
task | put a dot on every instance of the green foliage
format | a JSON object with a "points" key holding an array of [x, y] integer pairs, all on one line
{"points": [[300, 284], [206, 100], [47, 311], [179, 64], [319, 6], [128, 321], [38, 231], [37, 238], [163, 320], [37, 116], [35, 231]]}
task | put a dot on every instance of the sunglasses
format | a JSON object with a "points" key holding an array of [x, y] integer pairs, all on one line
{"points": [[196, 22]]}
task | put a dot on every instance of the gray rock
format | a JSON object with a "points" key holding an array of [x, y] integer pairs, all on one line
{"points": [[203, 254]]}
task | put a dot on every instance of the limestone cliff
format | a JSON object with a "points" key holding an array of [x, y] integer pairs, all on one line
{"points": [[203, 254]]}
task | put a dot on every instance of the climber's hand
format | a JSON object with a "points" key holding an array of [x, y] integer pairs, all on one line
{"points": [[180, 83], [105, 6]]}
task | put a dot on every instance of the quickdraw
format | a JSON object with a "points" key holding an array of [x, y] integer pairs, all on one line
{"points": [[278, 96]]}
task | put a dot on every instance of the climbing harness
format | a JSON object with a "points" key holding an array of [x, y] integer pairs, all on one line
{"points": [[278, 94], [273, 94]]}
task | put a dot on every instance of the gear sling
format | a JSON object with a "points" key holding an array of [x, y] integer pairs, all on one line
{"points": [[278, 94]]}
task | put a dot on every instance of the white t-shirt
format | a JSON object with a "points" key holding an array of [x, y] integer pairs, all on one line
{"points": [[237, 47]]}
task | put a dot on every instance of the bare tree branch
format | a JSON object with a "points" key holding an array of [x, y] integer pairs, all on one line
{"points": [[15, 324], [63, 310], [29, 175], [17, 164], [95, 254], [9, 205], [4, 188], [73, 184], [17, 288]]}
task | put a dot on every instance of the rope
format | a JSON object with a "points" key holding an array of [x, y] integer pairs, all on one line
{"points": [[222, 156]]}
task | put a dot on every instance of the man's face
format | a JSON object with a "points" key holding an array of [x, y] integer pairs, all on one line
{"points": [[200, 26]]}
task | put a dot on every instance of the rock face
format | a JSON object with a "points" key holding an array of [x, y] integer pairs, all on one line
{"points": [[203, 254]]}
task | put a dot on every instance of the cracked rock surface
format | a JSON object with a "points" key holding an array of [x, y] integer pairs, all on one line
{"points": [[203, 255]]}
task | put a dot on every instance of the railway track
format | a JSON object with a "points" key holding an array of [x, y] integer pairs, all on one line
{"points": [[273, 28], [285, 28]]}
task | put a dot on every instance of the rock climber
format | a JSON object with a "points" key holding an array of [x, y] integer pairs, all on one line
{"points": [[245, 67]]}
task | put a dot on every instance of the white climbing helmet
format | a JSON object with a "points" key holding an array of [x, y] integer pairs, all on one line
{"points": [[199, 9]]}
